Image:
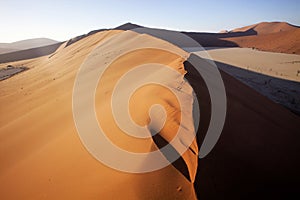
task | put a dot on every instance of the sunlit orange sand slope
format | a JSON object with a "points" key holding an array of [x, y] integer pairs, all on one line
{"points": [[41, 154]]}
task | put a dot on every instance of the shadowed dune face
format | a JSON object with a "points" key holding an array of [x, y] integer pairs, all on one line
{"points": [[127, 26], [211, 40], [257, 153]]}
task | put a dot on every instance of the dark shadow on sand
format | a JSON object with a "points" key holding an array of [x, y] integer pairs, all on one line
{"points": [[257, 154], [216, 39], [179, 164]]}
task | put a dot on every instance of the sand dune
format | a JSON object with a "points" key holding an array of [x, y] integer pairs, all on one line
{"points": [[267, 36], [282, 42], [29, 53], [7, 50], [124, 27], [267, 28], [128, 26], [40, 150], [26, 44], [42, 155]]}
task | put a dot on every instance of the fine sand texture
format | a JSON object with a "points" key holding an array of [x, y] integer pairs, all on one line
{"points": [[41, 154]]}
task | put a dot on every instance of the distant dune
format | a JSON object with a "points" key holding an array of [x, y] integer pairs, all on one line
{"points": [[282, 41], [267, 36], [26, 44], [29, 53], [127, 26], [267, 28], [7, 50]]}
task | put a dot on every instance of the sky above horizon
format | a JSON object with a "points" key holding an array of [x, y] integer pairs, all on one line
{"points": [[62, 20]]}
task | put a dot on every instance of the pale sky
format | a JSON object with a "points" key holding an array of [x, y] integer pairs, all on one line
{"points": [[62, 20]]}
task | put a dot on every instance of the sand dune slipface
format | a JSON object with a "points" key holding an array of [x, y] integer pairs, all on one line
{"points": [[145, 75]]}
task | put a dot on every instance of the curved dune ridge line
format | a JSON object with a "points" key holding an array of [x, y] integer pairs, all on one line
{"points": [[152, 93], [41, 154]]}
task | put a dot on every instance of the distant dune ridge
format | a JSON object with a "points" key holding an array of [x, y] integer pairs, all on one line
{"points": [[267, 27], [29, 53], [42, 156], [7, 50], [128, 26], [278, 37], [266, 36], [25, 44], [273, 36]]}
